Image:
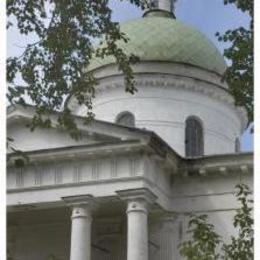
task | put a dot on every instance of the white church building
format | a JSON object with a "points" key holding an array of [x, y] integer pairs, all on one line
{"points": [[124, 191]]}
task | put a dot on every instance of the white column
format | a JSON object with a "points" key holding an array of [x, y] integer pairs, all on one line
{"points": [[137, 230], [81, 219], [80, 233], [137, 222]]}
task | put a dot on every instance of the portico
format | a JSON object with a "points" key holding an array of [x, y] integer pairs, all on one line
{"points": [[137, 201], [89, 228], [102, 194]]}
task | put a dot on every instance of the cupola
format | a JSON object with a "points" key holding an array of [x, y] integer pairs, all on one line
{"points": [[180, 88]]}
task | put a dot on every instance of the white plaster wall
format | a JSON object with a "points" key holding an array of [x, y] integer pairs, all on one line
{"points": [[211, 193], [41, 138], [221, 220], [164, 109]]}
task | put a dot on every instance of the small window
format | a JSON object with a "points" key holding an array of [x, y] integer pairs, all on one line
{"points": [[126, 119], [194, 143], [237, 145], [154, 3]]}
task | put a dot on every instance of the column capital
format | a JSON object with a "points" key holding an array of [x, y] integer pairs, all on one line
{"points": [[142, 194], [80, 200], [82, 206]]}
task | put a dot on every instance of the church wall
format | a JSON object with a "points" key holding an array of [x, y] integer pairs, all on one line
{"points": [[210, 193], [221, 220], [40, 138], [164, 109]]}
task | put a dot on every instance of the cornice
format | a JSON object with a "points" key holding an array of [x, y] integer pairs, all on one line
{"points": [[161, 67], [71, 184], [81, 200], [222, 165], [214, 91], [78, 152], [137, 194], [152, 80]]}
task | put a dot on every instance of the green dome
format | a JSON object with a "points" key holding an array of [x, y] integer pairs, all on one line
{"points": [[155, 38]]}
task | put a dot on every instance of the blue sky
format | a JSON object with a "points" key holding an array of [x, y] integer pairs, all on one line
{"points": [[208, 16]]}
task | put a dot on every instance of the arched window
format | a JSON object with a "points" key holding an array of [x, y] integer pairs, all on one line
{"points": [[154, 3], [237, 145], [194, 143], [126, 119]]}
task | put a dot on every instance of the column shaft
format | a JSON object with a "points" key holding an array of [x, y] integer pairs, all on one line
{"points": [[80, 233], [137, 231]]}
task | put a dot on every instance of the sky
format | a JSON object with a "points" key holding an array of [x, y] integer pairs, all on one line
{"points": [[208, 16]]}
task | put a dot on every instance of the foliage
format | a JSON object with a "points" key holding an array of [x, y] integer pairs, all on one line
{"points": [[206, 244], [55, 66], [242, 246], [239, 74], [204, 240]]}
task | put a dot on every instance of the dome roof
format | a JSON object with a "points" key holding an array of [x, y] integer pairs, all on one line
{"points": [[154, 38]]}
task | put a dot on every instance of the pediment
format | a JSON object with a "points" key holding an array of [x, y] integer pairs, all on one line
{"points": [[96, 133], [39, 139]]}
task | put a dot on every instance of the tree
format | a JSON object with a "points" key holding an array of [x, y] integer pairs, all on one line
{"points": [[55, 66], [240, 74], [204, 240], [206, 244], [242, 246]]}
